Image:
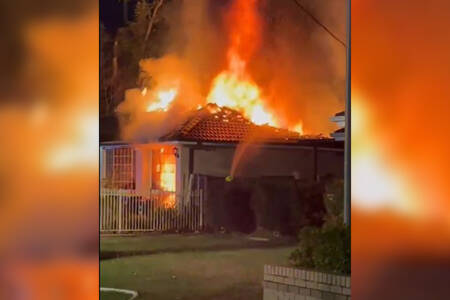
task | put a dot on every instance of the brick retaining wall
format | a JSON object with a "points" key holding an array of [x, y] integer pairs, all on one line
{"points": [[283, 283]]}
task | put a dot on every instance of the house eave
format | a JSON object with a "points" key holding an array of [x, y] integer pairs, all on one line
{"points": [[301, 144]]}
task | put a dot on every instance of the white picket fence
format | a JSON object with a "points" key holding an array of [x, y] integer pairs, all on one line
{"points": [[124, 211]]}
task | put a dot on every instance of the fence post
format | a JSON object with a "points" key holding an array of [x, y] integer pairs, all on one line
{"points": [[203, 202], [120, 212], [200, 201]]}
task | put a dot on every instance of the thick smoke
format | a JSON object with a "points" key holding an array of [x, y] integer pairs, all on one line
{"points": [[299, 67], [195, 53], [169, 72]]}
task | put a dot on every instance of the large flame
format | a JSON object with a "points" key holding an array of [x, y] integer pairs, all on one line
{"points": [[168, 177], [234, 86], [231, 90], [167, 172]]}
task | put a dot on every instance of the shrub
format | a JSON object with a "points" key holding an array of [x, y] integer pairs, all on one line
{"points": [[326, 248], [332, 252], [303, 256]]}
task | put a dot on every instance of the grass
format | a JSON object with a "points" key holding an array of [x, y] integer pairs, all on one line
{"points": [[227, 267], [115, 247], [113, 296]]}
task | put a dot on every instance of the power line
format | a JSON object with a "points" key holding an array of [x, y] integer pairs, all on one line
{"points": [[319, 23]]}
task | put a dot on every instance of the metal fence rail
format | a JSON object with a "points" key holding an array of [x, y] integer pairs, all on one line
{"points": [[129, 211]]}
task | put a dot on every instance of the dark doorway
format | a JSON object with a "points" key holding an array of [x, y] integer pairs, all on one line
{"points": [[239, 215]]}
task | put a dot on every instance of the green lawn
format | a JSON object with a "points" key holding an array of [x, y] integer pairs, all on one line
{"points": [[190, 266]]}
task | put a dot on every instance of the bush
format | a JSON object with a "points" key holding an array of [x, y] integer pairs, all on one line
{"points": [[326, 248], [286, 205], [303, 256]]}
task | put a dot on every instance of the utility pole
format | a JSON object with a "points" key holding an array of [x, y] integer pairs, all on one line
{"points": [[347, 154]]}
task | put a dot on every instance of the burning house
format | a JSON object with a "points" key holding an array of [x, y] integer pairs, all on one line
{"points": [[173, 170], [185, 128]]}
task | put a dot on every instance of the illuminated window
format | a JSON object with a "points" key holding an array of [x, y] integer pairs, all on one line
{"points": [[163, 169]]}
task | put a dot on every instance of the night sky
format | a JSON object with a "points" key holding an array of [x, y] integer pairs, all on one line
{"points": [[111, 13]]}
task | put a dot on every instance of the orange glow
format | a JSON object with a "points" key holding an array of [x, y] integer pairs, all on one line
{"points": [[234, 86], [163, 100], [376, 183], [72, 278], [78, 151], [403, 114], [231, 91], [50, 135], [403, 117], [168, 177], [167, 171]]}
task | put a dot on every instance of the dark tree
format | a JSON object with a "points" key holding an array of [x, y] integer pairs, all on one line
{"points": [[142, 37]]}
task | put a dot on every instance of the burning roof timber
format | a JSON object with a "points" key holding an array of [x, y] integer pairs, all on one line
{"points": [[216, 124]]}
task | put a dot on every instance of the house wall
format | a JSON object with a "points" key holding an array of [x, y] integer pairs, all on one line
{"points": [[143, 165], [258, 162], [213, 161], [182, 172], [252, 162], [263, 161], [330, 162]]}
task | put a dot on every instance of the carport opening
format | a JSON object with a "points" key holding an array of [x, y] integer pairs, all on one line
{"points": [[238, 211]]}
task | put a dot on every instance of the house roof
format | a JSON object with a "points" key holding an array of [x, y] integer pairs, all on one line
{"points": [[217, 124]]}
